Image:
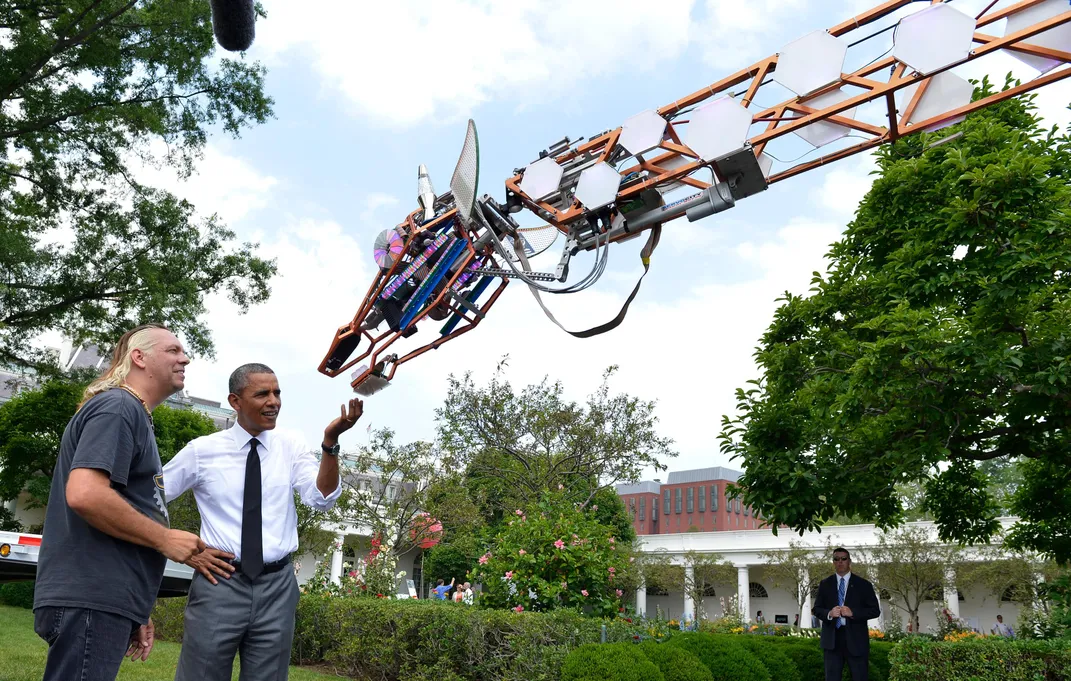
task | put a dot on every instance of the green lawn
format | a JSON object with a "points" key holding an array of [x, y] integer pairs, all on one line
{"points": [[22, 655]]}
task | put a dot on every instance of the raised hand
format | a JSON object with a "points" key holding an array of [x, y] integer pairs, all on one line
{"points": [[345, 421]]}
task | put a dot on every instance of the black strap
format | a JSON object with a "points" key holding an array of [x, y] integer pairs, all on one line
{"points": [[645, 257], [252, 521]]}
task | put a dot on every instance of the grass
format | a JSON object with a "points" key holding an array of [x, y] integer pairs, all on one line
{"points": [[22, 655]]}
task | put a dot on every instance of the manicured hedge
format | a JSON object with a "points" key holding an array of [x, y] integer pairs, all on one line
{"points": [[17, 594], [989, 659], [726, 659], [616, 662], [676, 664], [780, 666]]}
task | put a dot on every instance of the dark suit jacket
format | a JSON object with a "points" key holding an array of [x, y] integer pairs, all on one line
{"points": [[860, 597]]}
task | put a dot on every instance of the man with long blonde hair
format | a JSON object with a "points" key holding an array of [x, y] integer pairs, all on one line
{"points": [[107, 535]]}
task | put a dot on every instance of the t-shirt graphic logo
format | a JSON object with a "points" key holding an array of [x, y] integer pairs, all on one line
{"points": [[159, 494]]}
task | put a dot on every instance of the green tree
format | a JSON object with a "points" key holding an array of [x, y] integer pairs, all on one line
{"points": [[174, 428], [910, 568], [516, 446], [89, 89], [938, 340], [798, 569], [31, 427]]}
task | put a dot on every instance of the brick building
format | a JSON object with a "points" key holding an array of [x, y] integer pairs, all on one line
{"points": [[688, 501]]}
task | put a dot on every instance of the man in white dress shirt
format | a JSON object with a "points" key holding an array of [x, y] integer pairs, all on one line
{"points": [[244, 480]]}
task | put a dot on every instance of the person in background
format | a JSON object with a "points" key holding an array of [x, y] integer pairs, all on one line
{"points": [[759, 618], [844, 604], [1001, 629], [441, 588]]}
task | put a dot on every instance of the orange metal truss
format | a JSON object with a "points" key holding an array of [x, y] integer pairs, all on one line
{"points": [[674, 163]]}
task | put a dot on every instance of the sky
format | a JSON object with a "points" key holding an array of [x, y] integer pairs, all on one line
{"points": [[365, 92]]}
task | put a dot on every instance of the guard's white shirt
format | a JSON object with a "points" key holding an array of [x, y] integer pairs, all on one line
{"points": [[847, 576], [213, 466]]}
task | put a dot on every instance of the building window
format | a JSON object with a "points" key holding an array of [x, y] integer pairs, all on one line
{"points": [[713, 497], [757, 590], [677, 501], [632, 509], [643, 508], [702, 499], [747, 511], [665, 502], [654, 509], [728, 502], [691, 500], [737, 505]]}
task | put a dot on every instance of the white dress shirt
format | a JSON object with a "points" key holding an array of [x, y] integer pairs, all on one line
{"points": [[213, 466], [847, 576]]}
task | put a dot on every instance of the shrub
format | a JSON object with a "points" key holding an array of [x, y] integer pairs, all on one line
{"points": [[676, 664], [726, 659], [808, 658], [17, 594], [780, 666], [388, 640], [554, 555], [879, 658], [167, 618], [988, 659], [618, 662]]}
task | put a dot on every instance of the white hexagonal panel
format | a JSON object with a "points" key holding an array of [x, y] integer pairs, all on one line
{"points": [[765, 164], [822, 133], [1058, 38], [946, 92], [813, 61], [541, 178], [598, 186], [938, 36], [642, 132], [718, 128]]}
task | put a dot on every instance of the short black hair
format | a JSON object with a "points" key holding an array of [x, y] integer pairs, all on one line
{"points": [[841, 549], [240, 376]]}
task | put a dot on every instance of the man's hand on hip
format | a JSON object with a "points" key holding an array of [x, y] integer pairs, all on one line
{"points": [[212, 560], [180, 546]]}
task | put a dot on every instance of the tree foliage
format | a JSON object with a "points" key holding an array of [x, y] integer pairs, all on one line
{"points": [[89, 91], [31, 427], [939, 339], [909, 565], [515, 446]]}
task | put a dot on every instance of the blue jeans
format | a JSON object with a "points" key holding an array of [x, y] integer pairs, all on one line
{"points": [[83, 645]]}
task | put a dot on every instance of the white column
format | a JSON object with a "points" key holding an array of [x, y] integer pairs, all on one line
{"points": [[641, 599], [689, 583], [743, 592], [336, 559], [951, 594], [805, 616], [879, 621]]}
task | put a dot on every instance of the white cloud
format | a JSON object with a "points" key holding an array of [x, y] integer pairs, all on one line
{"points": [[221, 184], [404, 62]]}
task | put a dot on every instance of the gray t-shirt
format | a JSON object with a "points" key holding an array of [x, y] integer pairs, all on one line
{"points": [[80, 566]]}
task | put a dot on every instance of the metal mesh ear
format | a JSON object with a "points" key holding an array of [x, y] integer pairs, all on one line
{"points": [[464, 183]]}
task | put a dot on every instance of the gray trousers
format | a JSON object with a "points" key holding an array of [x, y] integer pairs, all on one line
{"points": [[254, 619]]}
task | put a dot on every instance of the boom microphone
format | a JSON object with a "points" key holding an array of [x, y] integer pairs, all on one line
{"points": [[233, 23]]}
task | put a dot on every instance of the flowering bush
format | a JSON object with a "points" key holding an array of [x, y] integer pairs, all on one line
{"points": [[374, 575], [555, 555]]}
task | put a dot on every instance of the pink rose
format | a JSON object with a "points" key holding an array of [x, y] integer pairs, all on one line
{"points": [[509, 574], [584, 592], [595, 507], [519, 608], [620, 593], [521, 552], [519, 512], [484, 558], [559, 544], [612, 570]]}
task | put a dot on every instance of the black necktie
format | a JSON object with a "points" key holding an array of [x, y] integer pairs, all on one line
{"points": [[252, 524]]}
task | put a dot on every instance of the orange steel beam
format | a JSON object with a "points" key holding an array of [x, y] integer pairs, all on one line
{"points": [[676, 162]]}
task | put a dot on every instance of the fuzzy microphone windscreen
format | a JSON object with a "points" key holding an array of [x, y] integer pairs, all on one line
{"points": [[233, 23]]}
